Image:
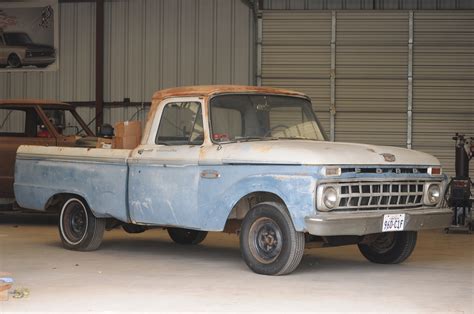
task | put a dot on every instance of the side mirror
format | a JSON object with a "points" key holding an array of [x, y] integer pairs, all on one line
{"points": [[106, 130]]}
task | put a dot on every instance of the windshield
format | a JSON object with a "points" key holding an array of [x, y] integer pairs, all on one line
{"points": [[17, 38], [242, 117], [65, 122]]}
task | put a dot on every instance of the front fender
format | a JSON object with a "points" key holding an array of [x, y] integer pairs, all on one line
{"points": [[297, 192]]}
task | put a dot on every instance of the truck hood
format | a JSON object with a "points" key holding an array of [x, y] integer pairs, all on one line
{"points": [[321, 153]]}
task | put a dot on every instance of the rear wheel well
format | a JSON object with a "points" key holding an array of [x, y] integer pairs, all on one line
{"points": [[243, 206], [55, 202]]}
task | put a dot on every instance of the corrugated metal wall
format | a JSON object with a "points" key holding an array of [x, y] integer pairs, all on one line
{"points": [[367, 4], [443, 88], [296, 55], [149, 45], [74, 81], [371, 77], [371, 73], [153, 45]]}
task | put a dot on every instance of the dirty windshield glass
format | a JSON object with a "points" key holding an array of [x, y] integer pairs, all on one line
{"points": [[245, 117]]}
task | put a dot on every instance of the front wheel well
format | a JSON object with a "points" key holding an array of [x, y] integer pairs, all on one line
{"points": [[243, 206]]}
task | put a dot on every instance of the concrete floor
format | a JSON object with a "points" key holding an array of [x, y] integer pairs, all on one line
{"points": [[147, 272]]}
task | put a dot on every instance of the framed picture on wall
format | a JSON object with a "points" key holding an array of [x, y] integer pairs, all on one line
{"points": [[29, 36]]}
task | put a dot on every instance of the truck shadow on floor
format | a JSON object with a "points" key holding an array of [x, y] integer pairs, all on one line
{"points": [[28, 218], [226, 255]]}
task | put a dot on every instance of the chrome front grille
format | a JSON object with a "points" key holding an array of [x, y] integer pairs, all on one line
{"points": [[380, 195]]}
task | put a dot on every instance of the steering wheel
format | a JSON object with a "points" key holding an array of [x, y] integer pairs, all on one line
{"points": [[274, 128]]}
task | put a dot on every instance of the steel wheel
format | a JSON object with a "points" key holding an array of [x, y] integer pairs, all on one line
{"points": [[74, 221], [269, 243], [79, 229], [389, 248], [384, 243], [265, 240]]}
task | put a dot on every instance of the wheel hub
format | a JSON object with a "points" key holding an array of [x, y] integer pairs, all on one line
{"points": [[265, 240], [384, 242]]}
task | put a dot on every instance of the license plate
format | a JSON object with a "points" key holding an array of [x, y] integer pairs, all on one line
{"points": [[393, 222]]}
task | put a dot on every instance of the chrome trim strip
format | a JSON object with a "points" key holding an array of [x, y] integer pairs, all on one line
{"points": [[75, 159]]}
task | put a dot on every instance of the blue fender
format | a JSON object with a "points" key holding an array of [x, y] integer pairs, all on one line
{"points": [[218, 198]]}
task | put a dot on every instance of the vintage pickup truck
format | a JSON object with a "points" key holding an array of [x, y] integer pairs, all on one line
{"points": [[250, 160], [35, 122]]}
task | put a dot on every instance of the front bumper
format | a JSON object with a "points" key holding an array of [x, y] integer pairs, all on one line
{"points": [[368, 222], [38, 60]]}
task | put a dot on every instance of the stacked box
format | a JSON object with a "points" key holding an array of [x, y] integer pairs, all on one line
{"points": [[128, 134]]}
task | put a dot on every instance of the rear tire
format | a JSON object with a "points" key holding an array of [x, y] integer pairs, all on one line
{"points": [[79, 229], [186, 236], [390, 248], [269, 243], [14, 61]]}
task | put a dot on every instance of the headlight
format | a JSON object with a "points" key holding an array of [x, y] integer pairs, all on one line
{"points": [[330, 197], [433, 194]]}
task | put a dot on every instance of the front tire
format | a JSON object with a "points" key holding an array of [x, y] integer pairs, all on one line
{"points": [[389, 248], [269, 243], [186, 236], [79, 229]]}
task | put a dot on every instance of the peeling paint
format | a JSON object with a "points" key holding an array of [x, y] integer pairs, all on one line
{"points": [[165, 187]]}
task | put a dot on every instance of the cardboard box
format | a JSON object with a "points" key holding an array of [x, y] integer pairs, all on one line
{"points": [[127, 142], [128, 128], [4, 286], [128, 134], [105, 143]]}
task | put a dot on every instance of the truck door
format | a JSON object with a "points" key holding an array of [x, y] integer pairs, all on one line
{"points": [[19, 125], [164, 173]]}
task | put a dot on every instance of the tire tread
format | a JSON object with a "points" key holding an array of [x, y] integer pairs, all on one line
{"points": [[406, 242]]}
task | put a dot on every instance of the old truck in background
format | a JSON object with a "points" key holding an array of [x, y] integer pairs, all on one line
{"points": [[17, 50], [242, 159], [35, 122]]}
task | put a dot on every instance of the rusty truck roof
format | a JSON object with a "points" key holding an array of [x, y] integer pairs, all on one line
{"points": [[30, 102], [209, 90]]}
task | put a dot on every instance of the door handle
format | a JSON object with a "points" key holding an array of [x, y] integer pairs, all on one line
{"points": [[147, 150]]}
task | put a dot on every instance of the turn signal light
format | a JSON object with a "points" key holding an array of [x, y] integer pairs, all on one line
{"points": [[435, 171], [332, 171]]}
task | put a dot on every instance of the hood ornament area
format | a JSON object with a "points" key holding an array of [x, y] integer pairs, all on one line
{"points": [[388, 157]]}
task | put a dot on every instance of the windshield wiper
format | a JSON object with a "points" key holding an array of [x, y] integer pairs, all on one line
{"points": [[296, 138], [254, 138], [248, 139]]}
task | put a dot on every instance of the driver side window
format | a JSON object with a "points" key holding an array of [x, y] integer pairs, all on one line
{"points": [[181, 124]]}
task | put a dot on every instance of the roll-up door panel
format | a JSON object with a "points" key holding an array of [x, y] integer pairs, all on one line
{"points": [[371, 77], [371, 70], [443, 88]]}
